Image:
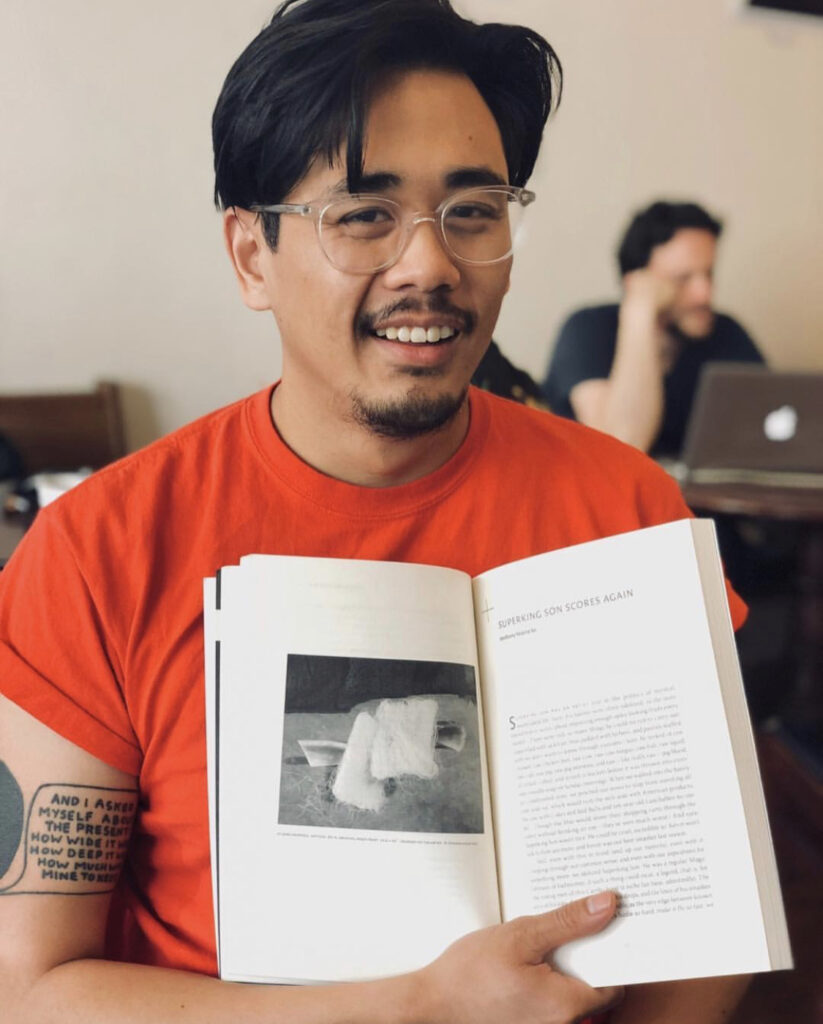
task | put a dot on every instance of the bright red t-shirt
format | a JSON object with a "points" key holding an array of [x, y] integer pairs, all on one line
{"points": [[101, 606]]}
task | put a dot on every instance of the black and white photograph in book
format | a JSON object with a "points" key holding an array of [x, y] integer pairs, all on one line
{"points": [[376, 743]]}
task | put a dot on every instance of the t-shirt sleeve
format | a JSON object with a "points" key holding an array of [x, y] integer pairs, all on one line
{"points": [[661, 501], [58, 657], [584, 350]]}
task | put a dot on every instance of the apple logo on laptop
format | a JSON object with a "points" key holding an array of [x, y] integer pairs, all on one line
{"points": [[781, 424]]}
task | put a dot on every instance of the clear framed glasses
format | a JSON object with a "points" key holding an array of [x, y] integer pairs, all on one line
{"points": [[364, 234]]}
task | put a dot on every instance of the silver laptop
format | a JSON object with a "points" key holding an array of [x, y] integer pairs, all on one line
{"points": [[750, 424]]}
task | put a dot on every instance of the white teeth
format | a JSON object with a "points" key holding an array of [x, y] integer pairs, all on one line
{"points": [[416, 335]]}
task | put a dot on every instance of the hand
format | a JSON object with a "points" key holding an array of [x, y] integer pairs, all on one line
{"points": [[646, 293], [502, 974]]}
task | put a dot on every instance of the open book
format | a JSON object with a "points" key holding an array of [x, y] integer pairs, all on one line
{"points": [[399, 754]]}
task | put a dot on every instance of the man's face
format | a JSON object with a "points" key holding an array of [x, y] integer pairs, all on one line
{"points": [[429, 134], [687, 261]]}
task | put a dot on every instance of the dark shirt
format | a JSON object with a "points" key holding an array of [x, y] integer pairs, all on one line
{"points": [[501, 377], [585, 351]]}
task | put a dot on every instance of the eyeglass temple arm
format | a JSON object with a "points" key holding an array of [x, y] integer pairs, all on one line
{"points": [[302, 208]]}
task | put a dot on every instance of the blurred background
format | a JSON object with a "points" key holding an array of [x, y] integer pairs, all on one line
{"points": [[112, 265]]}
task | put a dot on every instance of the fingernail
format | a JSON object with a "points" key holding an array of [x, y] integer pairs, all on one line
{"points": [[600, 902]]}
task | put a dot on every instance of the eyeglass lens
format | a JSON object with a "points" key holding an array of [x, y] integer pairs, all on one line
{"points": [[362, 234]]}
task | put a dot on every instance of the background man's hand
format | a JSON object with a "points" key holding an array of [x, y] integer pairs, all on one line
{"points": [[649, 294], [503, 974]]}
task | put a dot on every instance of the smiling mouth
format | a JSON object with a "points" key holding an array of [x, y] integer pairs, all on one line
{"points": [[417, 335]]}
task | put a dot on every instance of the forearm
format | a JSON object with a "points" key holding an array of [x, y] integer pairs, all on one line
{"points": [[101, 992], [633, 404], [495, 974], [700, 1001]]}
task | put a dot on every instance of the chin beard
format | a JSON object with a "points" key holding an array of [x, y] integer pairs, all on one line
{"points": [[407, 417], [696, 327]]}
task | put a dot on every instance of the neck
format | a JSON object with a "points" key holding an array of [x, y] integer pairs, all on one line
{"points": [[340, 447]]}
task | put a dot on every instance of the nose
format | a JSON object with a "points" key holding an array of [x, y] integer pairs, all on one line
{"points": [[424, 262], [700, 289]]}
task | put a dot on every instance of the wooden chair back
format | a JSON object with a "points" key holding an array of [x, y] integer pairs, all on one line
{"points": [[65, 431]]}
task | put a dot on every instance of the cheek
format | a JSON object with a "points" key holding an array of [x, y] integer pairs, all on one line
{"points": [[489, 287], [684, 297], [320, 298]]}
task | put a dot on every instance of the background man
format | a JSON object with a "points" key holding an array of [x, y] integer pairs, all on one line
{"points": [[632, 370], [353, 141]]}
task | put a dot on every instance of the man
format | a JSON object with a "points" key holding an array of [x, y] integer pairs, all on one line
{"points": [[366, 154], [632, 370]]}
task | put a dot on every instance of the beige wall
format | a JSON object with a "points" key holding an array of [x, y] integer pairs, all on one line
{"points": [[112, 266]]}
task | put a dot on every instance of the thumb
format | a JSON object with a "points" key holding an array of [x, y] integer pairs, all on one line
{"points": [[539, 934]]}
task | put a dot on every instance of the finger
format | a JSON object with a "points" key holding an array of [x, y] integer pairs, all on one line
{"points": [[582, 1001], [610, 997], [538, 934], [634, 281]]}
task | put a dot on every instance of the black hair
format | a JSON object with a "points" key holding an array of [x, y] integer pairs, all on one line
{"points": [[301, 89], [656, 225]]}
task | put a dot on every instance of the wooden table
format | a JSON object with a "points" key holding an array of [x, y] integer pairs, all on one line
{"points": [[795, 504]]}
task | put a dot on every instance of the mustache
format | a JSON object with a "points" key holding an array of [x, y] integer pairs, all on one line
{"points": [[367, 321]]}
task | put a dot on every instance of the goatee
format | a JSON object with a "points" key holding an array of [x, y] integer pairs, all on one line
{"points": [[411, 416]]}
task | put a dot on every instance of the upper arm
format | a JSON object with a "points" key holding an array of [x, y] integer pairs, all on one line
{"points": [[65, 823], [583, 353]]}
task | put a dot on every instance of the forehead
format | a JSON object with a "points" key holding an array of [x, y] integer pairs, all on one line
{"points": [[438, 110], [423, 128], [688, 249]]}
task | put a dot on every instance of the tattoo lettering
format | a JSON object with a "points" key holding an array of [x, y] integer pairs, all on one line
{"points": [[74, 841]]}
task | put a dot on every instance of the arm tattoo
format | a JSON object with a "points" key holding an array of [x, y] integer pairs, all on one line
{"points": [[72, 841]]}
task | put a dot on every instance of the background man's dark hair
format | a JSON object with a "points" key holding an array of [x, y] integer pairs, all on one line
{"points": [[302, 87], [655, 226]]}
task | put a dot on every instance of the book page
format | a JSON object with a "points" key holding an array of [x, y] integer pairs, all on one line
{"points": [[354, 820], [210, 653], [611, 761]]}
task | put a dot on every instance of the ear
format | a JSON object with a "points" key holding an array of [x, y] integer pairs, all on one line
{"points": [[245, 244]]}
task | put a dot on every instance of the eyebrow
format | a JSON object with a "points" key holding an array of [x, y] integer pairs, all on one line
{"points": [[470, 177], [379, 181], [384, 181]]}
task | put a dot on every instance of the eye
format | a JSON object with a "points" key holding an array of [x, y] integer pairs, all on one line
{"points": [[474, 211], [474, 217], [366, 215], [360, 219]]}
